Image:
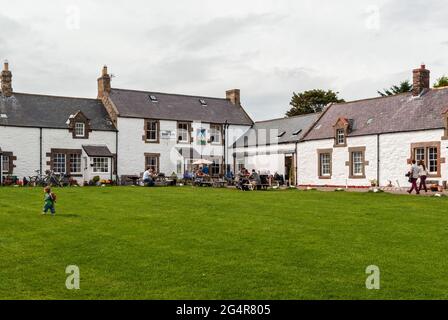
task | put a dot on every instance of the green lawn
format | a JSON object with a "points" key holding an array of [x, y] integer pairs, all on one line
{"points": [[191, 243]]}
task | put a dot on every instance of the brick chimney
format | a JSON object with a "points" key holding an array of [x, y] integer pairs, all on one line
{"points": [[6, 79], [420, 80], [104, 84], [234, 96]]}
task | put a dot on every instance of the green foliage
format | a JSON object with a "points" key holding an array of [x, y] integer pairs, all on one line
{"points": [[441, 82], [311, 101], [404, 86]]}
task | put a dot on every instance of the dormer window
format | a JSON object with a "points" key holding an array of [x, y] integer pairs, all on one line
{"points": [[341, 129], [153, 98], [79, 125], [80, 129], [340, 137]]}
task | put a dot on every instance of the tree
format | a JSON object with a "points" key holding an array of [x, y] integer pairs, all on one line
{"points": [[441, 82], [404, 86], [311, 101]]}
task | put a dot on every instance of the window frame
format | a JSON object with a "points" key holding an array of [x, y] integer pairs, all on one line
{"points": [[103, 164], [6, 161], [156, 166], [59, 163], [156, 131], [78, 157], [426, 147], [358, 163], [339, 135], [320, 154], [351, 163], [68, 156], [186, 131], [216, 130], [75, 128]]}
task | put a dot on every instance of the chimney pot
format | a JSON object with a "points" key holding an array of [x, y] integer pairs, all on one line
{"points": [[420, 80]]}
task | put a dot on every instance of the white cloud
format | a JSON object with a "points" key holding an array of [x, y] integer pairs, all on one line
{"points": [[268, 48]]}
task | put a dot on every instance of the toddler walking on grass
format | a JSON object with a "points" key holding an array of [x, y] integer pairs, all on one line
{"points": [[49, 200]]}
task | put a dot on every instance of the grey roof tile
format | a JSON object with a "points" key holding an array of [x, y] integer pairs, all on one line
{"points": [[273, 128], [137, 104], [32, 110], [399, 113], [97, 151]]}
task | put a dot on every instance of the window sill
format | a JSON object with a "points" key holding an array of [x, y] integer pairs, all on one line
{"points": [[152, 141], [340, 145], [357, 177], [324, 177]]}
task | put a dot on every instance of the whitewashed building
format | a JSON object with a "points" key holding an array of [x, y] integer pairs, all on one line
{"points": [[271, 146], [74, 136], [118, 134], [373, 141], [168, 132]]}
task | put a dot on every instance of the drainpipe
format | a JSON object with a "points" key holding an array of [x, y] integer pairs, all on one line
{"points": [[116, 158], [378, 159], [40, 151], [296, 164], [1, 168], [225, 146]]}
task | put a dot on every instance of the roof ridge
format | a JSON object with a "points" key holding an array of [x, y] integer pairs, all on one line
{"points": [[54, 96], [286, 118], [373, 98], [171, 94]]}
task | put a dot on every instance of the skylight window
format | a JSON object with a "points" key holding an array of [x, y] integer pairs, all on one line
{"points": [[3, 116], [203, 102], [297, 132], [370, 121], [153, 98], [281, 134]]}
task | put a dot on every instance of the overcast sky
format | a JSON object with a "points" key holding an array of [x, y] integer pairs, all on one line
{"points": [[267, 48]]}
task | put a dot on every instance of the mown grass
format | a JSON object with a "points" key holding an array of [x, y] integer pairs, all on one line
{"points": [[192, 243]]}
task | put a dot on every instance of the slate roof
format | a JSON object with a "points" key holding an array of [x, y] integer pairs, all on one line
{"points": [[275, 127], [97, 151], [137, 104], [399, 113], [42, 111]]}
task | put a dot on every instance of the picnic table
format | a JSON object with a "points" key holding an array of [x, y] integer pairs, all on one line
{"points": [[219, 183], [134, 179]]}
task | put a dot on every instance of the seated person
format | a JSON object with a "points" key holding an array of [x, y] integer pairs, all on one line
{"points": [[229, 175], [148, 177], [255, 177], [188, 175], [278, 178], [205, 170]]}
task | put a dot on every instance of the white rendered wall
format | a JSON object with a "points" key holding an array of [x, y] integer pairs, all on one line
{"points": [[24, 144], [307, 162], [132, 148], [395, 150]]}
